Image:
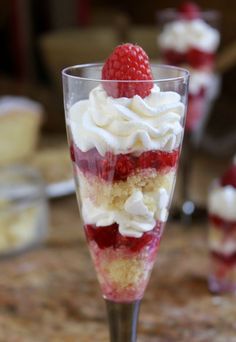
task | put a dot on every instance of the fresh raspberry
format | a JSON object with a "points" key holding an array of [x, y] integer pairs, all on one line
{"points": [[229, 177], [125, 165], [127, 62], [189, 10]]}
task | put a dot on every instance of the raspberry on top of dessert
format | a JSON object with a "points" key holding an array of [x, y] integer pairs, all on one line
{"points": [[127, 62], [127, 117]]}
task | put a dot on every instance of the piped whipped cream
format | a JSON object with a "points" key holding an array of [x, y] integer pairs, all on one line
{"points": [[137, 216], [222, 202], [184, 34], [125, 125]]}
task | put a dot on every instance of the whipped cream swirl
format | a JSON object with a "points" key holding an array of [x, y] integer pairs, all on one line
{"points": [[135, 219], [184, 34], [125, 125], [222, 202]]}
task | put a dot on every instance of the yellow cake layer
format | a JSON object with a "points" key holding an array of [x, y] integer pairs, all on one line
{"points": [[114, 195]]}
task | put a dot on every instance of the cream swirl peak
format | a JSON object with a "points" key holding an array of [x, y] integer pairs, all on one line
{"points": [[125, 125], [183, 34]]}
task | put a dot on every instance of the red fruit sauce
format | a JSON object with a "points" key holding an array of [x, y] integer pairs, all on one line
{"points": [[228, 260], [109, 236], [223, 224], [119, 167]]}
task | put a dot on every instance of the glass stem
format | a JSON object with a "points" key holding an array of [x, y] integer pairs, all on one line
{"points": [[123, 319]]}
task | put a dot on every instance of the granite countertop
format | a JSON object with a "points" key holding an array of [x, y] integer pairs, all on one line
{"points": [[51, 294]]}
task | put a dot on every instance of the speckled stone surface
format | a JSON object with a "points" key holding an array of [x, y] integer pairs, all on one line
{"points": [[51, 294]]}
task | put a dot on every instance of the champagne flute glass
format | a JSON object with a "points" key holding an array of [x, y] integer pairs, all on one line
{"points": [[125, 154]]}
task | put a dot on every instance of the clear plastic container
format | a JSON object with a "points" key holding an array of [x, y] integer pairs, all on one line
{"points": [[23, 210]]}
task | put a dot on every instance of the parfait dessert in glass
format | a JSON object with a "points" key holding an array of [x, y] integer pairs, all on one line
{"points": [[125, 124], [222, 232]]}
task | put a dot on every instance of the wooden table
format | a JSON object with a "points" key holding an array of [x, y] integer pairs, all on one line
{"points": [[51, 294]]}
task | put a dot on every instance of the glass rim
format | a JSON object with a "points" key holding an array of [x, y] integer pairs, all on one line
{"points": [[184, 71]]}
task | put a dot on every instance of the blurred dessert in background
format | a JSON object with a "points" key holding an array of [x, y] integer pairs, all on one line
{"points": [[189, 39], [222, 232], [17, 227], [23, 209], [20, 120], [53, 163]]}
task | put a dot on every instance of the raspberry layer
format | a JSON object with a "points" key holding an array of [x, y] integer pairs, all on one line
{"points": [[119, 167], [123, 264]]}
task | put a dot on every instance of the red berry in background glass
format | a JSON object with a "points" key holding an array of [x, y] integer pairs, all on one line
{"points": [[126, 63], [229, 177], [189, 10], [173, 57], [197, 58]]}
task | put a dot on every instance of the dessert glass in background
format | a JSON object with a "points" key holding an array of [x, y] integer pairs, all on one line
{"points": [[20, 121], [23, 210], [125, 155], [222, 232], [190, 38]]}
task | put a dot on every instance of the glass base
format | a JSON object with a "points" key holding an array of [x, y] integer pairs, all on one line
{"points": [[123, 319]]}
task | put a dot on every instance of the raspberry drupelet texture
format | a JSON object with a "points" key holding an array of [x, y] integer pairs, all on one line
{"points": [[126, 63]]}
